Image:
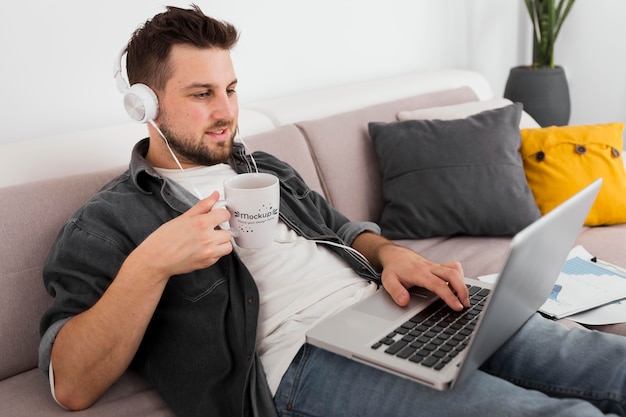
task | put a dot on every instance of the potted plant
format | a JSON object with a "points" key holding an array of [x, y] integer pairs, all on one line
{"points": [[542, 87]]}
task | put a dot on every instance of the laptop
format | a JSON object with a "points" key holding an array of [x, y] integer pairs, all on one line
{"points": [[427, 341]]}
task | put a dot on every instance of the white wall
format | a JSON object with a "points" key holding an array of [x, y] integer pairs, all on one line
{"points": [[57, 57], [592, 49]]}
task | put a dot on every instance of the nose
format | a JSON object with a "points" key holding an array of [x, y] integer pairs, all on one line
{"points": [[225, 107]]}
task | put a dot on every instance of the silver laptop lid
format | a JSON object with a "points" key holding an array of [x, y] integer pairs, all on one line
{"points": [[536, 256]]}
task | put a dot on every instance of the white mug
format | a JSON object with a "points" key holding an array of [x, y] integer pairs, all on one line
{"points": [[253, 201]]}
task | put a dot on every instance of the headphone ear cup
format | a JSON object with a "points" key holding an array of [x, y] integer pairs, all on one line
{"points": [[141, 103]]}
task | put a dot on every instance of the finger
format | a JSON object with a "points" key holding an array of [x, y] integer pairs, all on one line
{"points": [[396, 290], [204, 206], [452, 274], [209, 251], [445, 292], [221, 243], [218, 217]]}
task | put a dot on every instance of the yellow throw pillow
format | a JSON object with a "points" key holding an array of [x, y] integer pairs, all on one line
{"points": [[561, 160]]}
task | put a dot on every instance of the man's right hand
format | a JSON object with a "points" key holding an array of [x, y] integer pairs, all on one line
{"points": [[189, 242]]}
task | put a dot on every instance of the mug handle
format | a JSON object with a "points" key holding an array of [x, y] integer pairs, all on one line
{"points": [[225, 225]]}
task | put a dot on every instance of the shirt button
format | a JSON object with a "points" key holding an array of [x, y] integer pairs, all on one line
{"points": [[250, 300], [580, 149], [615, 153], [540, 156]]}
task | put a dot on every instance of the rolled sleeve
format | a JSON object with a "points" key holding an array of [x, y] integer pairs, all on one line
{"points": [[350, 230], [46, 342]]}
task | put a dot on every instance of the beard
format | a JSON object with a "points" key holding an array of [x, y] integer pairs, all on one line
{"points": [[195, 151]]}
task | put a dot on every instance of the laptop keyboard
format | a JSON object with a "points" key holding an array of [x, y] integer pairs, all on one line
{"points": [[437, 334]]}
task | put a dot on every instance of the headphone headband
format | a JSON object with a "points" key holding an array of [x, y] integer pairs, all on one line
{"points": [[120, 82]]}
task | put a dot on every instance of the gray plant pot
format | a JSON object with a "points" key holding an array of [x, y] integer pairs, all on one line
{"points": [[544, 92]]}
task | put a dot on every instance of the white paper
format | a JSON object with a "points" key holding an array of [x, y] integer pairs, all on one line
{"points": [[582, 286], [609, 314]]}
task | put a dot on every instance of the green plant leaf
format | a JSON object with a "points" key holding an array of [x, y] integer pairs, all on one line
{"points": [[547, 18]]}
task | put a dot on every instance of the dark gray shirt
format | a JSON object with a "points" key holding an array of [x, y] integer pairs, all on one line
{"points": [[199, 349]]}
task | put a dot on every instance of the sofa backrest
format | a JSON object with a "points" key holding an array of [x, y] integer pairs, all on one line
{"points": [[347, 164], [31, 216], [328, 101], [288, 144]]}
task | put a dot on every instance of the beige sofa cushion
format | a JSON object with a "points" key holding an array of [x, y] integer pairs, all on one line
{"points": [[288, 144], [32, 215], [28, 394], [463, 110], [479, 255], [342, 149]]}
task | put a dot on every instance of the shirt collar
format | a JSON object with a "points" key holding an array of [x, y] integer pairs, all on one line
{"points": [[141, 170]]}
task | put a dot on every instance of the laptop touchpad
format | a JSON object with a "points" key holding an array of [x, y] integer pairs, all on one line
{"points": [[382, 306]]}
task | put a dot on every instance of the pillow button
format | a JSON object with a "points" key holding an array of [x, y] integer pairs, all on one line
{"points": [[541, 155], [615, 153], [580, 149]]}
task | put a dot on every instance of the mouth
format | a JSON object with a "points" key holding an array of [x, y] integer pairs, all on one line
{"points": [[220, 134]]}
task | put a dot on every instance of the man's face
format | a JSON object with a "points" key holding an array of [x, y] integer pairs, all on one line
{"points": [[198, 108]]}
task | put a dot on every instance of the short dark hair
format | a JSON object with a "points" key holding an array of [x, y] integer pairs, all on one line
{"points": [[147, 58]]}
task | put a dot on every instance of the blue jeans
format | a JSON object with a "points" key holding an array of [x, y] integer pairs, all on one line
{"points": [[543, 370]]}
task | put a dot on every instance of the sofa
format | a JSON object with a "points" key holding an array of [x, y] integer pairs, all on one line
{"points": [[324, 134]]}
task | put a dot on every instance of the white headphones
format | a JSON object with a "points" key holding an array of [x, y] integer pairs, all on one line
{"points": [[141, 103]]}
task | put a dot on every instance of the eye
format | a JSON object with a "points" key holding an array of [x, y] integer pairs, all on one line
{"points": [[202, 95], [231, 91]]}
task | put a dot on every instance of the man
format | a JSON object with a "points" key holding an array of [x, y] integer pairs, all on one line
{"points": [[143, 277]]}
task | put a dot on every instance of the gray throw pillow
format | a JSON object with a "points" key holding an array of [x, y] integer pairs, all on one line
{"points": [[454, 177]]}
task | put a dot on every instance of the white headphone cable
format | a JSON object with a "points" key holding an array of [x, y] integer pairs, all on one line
{"points": [[348, 248], [245, 146], [154, 125], [193, 186]]}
